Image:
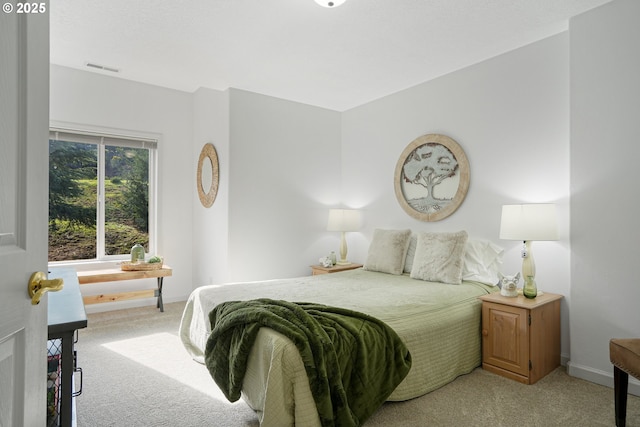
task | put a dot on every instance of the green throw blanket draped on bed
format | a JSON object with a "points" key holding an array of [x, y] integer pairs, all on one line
{"points": [[353, 361]]}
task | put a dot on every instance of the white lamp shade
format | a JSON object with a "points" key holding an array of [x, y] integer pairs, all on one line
{"points": [[529, 222], [330, 3], [344, 220]]}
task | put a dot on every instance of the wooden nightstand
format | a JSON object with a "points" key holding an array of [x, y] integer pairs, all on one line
{"points": [[318, 269], [520, 336]]}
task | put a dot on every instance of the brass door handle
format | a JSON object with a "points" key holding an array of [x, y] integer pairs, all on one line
{"points": [[39, 284]]}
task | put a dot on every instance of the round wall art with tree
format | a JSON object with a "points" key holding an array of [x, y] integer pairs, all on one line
{"points": [[432, 177]]}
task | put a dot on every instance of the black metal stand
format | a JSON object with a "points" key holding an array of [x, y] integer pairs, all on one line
{"points": [[158, 294], [65, 316]]}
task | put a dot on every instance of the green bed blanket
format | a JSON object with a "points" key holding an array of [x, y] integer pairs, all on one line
{"points": [[353, 361]]}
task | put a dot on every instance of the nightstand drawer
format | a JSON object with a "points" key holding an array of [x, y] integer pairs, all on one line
{"points": [[504, 331]]}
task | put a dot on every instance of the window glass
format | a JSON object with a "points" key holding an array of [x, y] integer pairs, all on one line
{"points": [[72, 200], [126, 201], [99, 188]]}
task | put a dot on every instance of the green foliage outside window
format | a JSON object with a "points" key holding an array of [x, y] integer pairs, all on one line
{"points": [[73, 200]]}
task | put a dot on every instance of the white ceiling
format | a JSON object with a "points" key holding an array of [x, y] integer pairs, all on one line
{"points": [[335, 58]]}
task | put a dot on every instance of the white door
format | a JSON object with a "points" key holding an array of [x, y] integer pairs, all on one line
{"points": [[24, 122]]}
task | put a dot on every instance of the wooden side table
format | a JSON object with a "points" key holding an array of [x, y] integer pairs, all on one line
{"points": [[521, 336], [318, 269]]}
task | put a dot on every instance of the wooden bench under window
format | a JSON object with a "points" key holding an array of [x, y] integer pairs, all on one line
{"points": [[115, 275]]}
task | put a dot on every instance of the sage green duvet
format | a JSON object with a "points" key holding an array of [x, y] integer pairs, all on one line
{"points": [[439, 324]]}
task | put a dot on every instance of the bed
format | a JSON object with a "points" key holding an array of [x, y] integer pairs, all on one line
{"points": [[438, 321]]}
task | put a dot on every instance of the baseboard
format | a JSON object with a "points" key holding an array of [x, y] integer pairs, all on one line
{"points": [[600, 377]]}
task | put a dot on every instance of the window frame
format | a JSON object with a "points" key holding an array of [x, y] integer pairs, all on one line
{"points": [[103, 136]]}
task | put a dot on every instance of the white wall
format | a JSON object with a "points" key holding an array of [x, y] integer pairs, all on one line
{"points": [[279, 174], [91, 99], [510, 115], [284, 176], [210, 225], [605, 201]]}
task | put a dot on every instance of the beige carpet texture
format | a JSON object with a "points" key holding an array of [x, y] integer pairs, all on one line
{"points": [[136, 373]]}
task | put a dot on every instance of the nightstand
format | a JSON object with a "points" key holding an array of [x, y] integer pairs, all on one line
{"points": [[318, 269], [521, 336]]}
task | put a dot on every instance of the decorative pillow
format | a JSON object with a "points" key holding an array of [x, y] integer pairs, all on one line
{"points": [[439, 257], [482, 261], [387, 251], [411, 253]]}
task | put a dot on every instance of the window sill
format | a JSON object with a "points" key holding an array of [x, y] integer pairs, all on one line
{"points": [[87, 265]]}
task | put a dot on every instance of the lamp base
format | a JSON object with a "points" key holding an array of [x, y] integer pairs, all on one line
{"points": [[343, 251], [530, 289], [528, 264]]}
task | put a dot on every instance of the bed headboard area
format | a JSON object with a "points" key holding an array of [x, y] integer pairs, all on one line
{"points": [[436, 257]]}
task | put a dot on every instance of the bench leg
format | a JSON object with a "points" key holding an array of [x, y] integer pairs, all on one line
{"points": [[620, 386], [159, 293]]}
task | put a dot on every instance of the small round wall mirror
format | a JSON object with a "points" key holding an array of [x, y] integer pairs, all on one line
{"points": [[207, 176]]}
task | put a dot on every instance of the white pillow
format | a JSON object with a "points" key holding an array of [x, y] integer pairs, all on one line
{"points": [[482, 261], [439, 257], [387, 251]]}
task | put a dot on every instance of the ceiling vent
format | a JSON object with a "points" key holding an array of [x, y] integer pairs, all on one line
{"points": [[102, 67]]}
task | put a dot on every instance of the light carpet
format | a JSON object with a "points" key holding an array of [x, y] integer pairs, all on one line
{"points": [[136, 373]]}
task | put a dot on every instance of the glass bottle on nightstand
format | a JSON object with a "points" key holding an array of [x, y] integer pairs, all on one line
{"points": [[530, 289]]}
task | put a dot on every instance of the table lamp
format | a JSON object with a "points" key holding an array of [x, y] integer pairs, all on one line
{"points": [[344, 220], [528, 223]]}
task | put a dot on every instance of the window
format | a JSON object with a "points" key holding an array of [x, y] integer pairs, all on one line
{"points": [[101, 195]]}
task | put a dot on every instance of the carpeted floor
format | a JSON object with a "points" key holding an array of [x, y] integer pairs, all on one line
{"points": [[136, 373]]}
